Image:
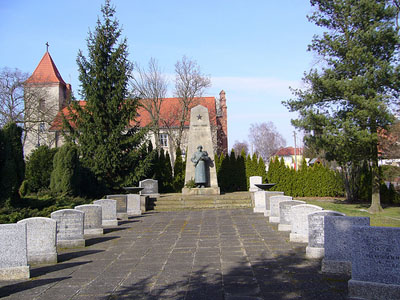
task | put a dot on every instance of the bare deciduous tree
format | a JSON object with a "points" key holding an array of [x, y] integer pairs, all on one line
{"points": [[151, 86], [190, 84], [12, 96], [265, 139], [239, 146]]}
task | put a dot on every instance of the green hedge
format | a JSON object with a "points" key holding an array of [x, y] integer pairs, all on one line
{"points": [[308, 181]]}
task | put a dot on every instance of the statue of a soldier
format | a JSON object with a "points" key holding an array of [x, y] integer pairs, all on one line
{"points": [[200, 159]]}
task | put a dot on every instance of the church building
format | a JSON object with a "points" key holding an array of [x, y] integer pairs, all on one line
{"points": [[47, 98]]}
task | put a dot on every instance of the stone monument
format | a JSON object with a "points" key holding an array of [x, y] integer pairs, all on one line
{"points": [[69, 227], [200, 136]]}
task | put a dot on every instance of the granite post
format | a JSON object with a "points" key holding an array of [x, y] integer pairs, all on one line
{"points": [[299, 221], [315, 248], [337, 243], [133, 205], [109, 212], [122, 205], [285, 207], [375, 263], [13, 252], [93, 219], [69, 228], [41, 240], [274, 206]]}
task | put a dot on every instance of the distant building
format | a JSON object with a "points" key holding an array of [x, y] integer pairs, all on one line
{"points": [[291, 157], [48, 95]]}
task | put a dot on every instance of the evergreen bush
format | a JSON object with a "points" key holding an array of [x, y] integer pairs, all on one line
{"points": [[39, 166]]}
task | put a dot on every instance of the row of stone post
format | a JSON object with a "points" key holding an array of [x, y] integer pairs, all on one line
{"points": [[34, 241], [348, 245]]}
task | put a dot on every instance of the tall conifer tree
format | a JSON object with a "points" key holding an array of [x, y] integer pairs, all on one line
{"points": [[109, 141], [348, 98]]}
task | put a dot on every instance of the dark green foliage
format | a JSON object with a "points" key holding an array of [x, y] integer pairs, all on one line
{"points": [[12, 165], [315, 181], [163, 172], [110, 142], [179, 172], [39, 166], [233, 171], [390, 173], [64, 177], [261, 169]]}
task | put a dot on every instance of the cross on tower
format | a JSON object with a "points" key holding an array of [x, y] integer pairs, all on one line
{"points": [[47, 46]]}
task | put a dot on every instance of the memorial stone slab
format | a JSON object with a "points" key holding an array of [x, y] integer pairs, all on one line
{"points": [[315, 248], [267, 204], [144, 203], [69, 228], [122, 205], [41, 242], [254, 180], [337, 243], [93, 220], [109, 212], [13, 252], [299, 221], [150, 186], [375, 263], [274, 206], [133, 204], [259, 201], [285, 208]]}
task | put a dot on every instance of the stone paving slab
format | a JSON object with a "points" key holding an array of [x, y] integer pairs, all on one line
{"points": [[204, 254]]}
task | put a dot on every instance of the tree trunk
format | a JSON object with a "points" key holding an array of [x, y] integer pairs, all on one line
{"points": [[376, 199]]}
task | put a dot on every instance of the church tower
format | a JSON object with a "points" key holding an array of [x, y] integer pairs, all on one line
{"points": [[45, 94]]}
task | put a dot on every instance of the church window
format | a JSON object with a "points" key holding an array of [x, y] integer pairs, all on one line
{"points": [[163, 140]]}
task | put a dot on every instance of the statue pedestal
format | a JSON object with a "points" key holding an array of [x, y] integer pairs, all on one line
{"points": [[201, 191]]}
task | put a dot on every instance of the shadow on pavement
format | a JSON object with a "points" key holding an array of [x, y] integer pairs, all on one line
{"points": [[26, 285], [71, 255], [35, 272], [109, 230], [96, 240], [288, 276]]}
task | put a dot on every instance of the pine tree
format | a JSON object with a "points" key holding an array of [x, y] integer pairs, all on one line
{"points": [[110, 143], [349, 98]]}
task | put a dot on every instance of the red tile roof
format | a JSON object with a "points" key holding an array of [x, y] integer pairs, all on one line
{"points": [[46, 72], [288, 151], [170, 110]]}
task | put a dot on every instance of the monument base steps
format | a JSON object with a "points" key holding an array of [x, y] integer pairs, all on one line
{"points": [[92, 231], [314, 252], [284, 227], [336, 267], [373, 290], [201, 191], [109, 223], [15, 273], [176, 202], [70, 243], [42, 259], [298, 238]]}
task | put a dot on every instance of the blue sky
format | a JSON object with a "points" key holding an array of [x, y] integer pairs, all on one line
{"points": [[254, 50]]}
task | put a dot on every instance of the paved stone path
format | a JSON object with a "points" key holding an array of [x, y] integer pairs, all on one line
{"points": [[205, 254]]}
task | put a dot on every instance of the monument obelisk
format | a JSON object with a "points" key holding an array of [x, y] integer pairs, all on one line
{"points": [[200, 136]]}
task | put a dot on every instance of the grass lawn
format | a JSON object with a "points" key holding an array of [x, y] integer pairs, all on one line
{"points": [[389, 217]]}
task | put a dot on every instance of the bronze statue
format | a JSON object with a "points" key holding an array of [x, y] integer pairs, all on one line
{"points": [[200, 159]]}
